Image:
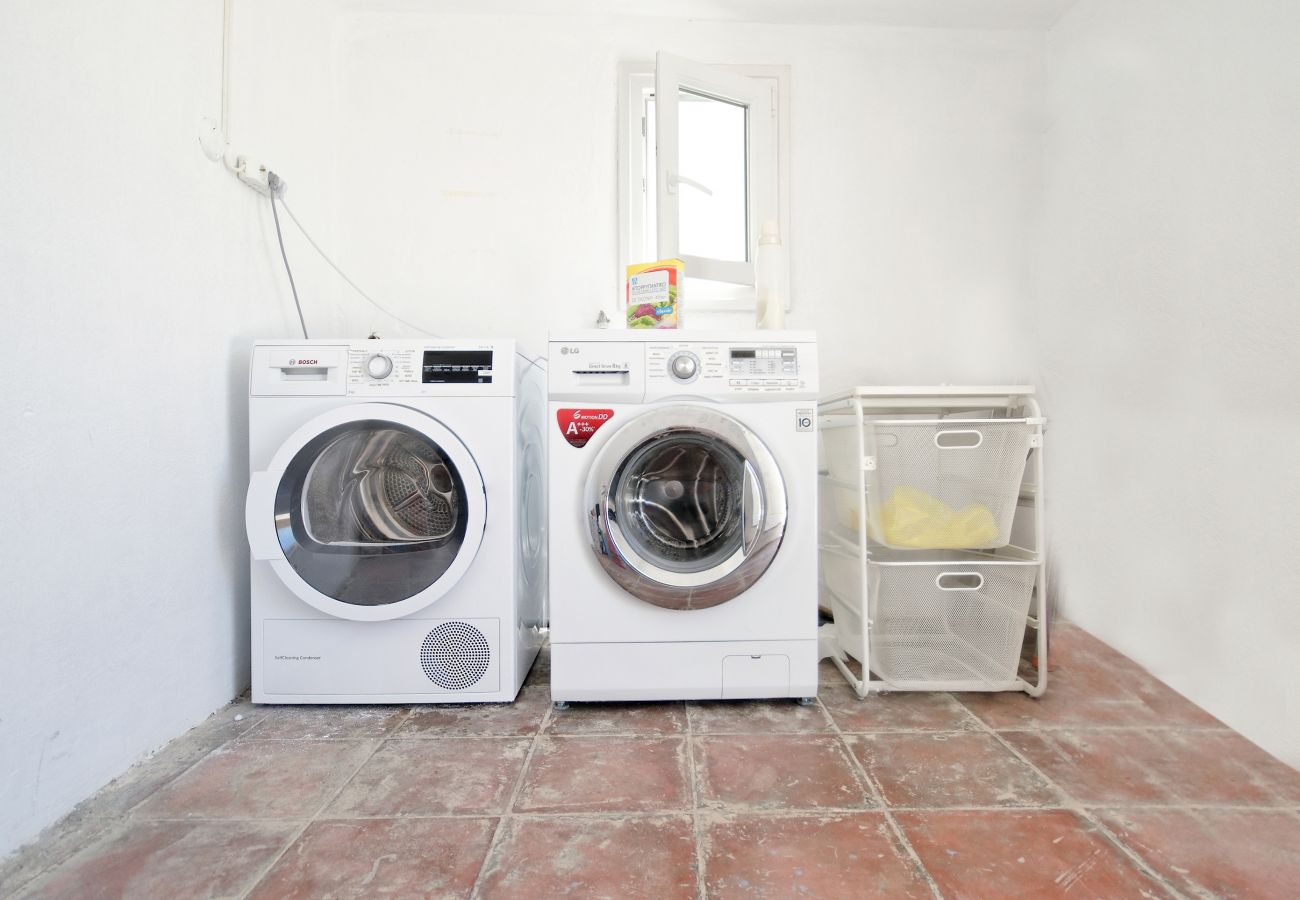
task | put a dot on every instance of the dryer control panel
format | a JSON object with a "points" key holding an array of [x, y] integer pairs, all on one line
{"points": [[420, 366], [383, 368]]}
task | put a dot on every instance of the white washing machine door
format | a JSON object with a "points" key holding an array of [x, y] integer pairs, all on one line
{"points": [[370, 511], [686, 507]]}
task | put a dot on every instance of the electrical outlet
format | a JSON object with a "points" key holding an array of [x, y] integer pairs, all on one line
{"points": [[254, 174]]}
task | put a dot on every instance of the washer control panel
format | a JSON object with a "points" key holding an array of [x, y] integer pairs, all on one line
{"points": [[724, 368], [766, 367], [596, 366]]}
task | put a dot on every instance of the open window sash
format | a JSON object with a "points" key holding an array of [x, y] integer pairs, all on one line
{"points": [[675, 76]]}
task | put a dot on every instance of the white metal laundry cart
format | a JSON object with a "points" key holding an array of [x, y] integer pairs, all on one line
{"points": [[925, 607]]}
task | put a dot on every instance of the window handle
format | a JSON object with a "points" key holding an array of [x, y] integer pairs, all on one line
{"points": [[674, 179]]}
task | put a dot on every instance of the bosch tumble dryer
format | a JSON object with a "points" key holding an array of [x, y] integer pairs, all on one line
{"points": [[396, 516]]}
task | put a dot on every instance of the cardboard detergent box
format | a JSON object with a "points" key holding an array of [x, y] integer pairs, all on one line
{"points": [[654, 294]]}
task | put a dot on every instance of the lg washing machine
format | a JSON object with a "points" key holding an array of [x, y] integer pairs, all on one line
{"points": [[683, 515]]}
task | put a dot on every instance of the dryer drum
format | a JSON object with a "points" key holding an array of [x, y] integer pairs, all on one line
{"points": [[380, 486]]}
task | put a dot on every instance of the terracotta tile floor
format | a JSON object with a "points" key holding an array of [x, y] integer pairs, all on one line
{"points": [[1110, 786]]}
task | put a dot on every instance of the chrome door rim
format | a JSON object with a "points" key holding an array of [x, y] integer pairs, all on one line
{"points": [[764, 512]]}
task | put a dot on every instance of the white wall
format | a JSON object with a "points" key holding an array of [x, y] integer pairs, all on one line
{"points": [[462, 169], [132, 274], [1168, 320]]}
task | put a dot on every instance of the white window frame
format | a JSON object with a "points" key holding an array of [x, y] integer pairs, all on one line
{"points": [[769, 188]]}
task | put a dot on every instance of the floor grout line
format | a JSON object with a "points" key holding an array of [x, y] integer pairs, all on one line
{"points": [[293, 839], [1037, 729], [860, 771], [508, 813], [693, 777], [1074, 806], [734, 810], [391, 738]]}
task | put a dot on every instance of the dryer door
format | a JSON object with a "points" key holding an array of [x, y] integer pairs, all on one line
{"points": [[368, 512], [686, 507]]}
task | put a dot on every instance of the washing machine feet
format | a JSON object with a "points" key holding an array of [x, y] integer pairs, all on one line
{"points": [[807, 701], [560, 705]]}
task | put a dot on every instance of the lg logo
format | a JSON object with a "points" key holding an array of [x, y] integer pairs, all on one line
{"points": [[565, 351]]}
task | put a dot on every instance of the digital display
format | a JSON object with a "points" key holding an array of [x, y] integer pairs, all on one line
{"points": [[775, 366], [457, 367]]}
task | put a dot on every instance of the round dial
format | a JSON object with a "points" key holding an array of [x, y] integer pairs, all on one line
{"points": [[379, 366], [683, 366]]}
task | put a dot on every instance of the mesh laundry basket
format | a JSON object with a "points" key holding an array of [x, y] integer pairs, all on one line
{"points": [[841, 592], [951, 622], [945, 483]]}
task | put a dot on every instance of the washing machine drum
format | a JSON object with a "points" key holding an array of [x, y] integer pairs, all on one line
{"points": [[371, 513], [685, 507], [682, 499]]}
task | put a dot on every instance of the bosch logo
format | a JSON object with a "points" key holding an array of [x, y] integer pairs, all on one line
{"points": [[309, 362]]}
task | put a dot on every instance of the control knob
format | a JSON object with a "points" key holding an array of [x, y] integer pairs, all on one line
{"points": [[379, 366], [683, 366]]}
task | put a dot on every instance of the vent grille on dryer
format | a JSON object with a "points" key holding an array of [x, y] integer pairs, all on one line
{"points": [[455, 655]]}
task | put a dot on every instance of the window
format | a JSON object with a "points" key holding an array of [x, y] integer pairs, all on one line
{"points": [[702, 165]]}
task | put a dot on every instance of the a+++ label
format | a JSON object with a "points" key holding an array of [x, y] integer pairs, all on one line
{"points": [[578, 425]]}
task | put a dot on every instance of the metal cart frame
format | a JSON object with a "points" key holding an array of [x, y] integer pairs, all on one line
{"points": [[851, 409]]}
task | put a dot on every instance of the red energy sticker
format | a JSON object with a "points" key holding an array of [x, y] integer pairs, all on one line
{"points": [[578, 425]]}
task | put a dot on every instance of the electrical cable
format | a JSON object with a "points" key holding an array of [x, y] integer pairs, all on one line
{"points": [[352, 284], [294, 288], [532, 361]]}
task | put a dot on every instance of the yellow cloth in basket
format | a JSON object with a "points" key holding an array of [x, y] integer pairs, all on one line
{"points": [[912, 518]]}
